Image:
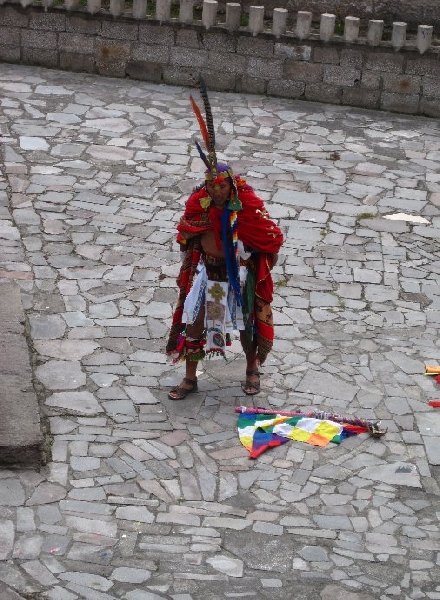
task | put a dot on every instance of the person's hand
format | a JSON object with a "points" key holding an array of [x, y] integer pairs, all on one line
{"points": [[273, 258]]}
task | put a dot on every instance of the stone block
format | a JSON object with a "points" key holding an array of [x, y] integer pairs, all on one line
{"points": [[402, 84], [151, 54], [260, 67], [307, 72], [385, 62], [40, 57], [156, 34], [431, 87], [187, 38], [144, 70], [76, 62], [255, 46], [220, 42], [251, 85], [38, 39], [76, 43], [371, 80], [110, 50], [13, 17], [222, 62], [119, 31], [48, 21], [112, 67], [186, 57], [225, 83], [323, 92], [178, 76], [10, 54], [10, 36], [326, 54], [404, 103], [361, 97], [353, 59], [294, 52], [286, 89], [430, 108], [79, 24], [423, 66], [341, 76]]}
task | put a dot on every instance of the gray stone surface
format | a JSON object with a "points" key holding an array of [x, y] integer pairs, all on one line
{"points": [[145, 498]]}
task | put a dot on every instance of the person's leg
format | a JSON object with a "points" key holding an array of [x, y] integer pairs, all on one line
{"points": [[189, 383], [252, 383]]}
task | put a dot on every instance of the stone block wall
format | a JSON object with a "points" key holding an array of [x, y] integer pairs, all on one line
{"points": [[353, 74]]}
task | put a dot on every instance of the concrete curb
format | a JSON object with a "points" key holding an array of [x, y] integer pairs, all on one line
{"points": [[21, 439]]}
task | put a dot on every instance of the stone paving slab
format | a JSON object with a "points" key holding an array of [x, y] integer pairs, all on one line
{"points": [[143, 498]]}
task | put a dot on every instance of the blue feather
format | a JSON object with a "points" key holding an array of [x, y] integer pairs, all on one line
{"points": [[203, 155]]}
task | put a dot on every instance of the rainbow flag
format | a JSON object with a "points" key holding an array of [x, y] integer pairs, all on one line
{"points": [[259, 432]]}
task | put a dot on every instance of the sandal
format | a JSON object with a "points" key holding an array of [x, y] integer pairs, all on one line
{"points": [[180, 393], [251, 388]]}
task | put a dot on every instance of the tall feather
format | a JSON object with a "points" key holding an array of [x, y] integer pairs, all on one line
{"points": [[202, 124], [208, 113]]}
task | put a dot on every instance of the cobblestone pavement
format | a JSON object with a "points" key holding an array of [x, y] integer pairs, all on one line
{"points": [[144, 498]]}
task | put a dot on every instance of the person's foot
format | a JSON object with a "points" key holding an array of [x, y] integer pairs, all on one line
{"points": [[181, 391], [251, 386]]}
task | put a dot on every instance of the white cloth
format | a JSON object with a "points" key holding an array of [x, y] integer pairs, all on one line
{"points": [[195, 297], [222, 313]]}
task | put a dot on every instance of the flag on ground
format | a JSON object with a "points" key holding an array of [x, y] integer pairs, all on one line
{"points": [[259, 432]]}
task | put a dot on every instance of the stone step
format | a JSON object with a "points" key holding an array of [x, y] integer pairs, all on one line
{"points": [[21, 438]]}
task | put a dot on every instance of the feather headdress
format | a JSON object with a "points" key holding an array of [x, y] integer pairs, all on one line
{"points": [[206, 129]]}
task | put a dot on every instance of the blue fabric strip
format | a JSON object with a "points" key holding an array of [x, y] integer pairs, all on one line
{"points": [[231, 260]]}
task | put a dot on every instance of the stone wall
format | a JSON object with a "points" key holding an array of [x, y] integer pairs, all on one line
{"points": [[357, 74]]}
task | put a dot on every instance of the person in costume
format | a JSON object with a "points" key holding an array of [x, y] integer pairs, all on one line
{"points": [[229, 246]]}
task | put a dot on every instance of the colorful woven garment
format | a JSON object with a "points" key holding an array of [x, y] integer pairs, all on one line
{"points": [[259, 432]]}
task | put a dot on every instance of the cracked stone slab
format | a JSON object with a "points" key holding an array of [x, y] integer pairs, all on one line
{"points": [[400, 473]]}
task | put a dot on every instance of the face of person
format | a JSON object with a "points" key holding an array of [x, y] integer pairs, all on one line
{"points": [[220, 192]]}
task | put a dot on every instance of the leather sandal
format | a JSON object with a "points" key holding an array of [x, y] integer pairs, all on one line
{"points": [[251, 388], [180, 393]]}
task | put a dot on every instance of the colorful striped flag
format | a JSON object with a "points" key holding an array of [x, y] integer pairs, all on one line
{"points": [[259, 432]]}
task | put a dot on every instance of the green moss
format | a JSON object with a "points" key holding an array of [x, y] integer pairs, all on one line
{"points": [[175, 11], [198, 9], [151, 8], [365, 215], [244, 19], [339, 28]]}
